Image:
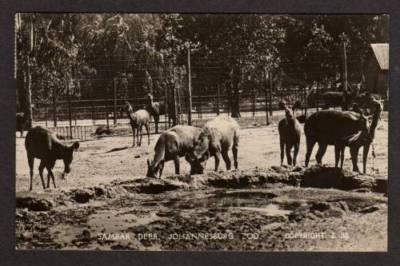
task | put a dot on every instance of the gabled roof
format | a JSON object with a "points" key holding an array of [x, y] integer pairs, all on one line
{"points": [[381, 52]]}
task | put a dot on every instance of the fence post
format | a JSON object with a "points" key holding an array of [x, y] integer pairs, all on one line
{"points": [[115, 100], [54, 108], [266, 95], [93, 120], [317, 100], [166, 116], [45, 112], [200, 115], [69, 109], [305, 101], [253, 107], [218, 96], [270, 94], [189, 74], [108, 122], [175, 119], [74, 113]]}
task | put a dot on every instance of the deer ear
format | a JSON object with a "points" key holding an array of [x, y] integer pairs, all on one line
{"points": [[75, 146]]}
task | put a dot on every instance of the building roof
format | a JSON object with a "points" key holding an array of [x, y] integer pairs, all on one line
{"points": [[381, 52]]}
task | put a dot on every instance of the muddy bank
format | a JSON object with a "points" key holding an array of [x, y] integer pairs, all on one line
{"points": [[316, 176], [261, 209]]}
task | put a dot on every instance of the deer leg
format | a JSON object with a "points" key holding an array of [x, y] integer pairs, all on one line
{"points": [[41, 168], [156, 120], [161, 169], [176, 162], [296, 151], [342, 157], [49, 168], [288, 155], [141, 134], [137, 135], [225, 156], [30, 162], [354, 158], [310, 145], [365, 157], [321, 152], [235, 156], [134, 139], [282, 146], [148, 133], [48, 178], [217, 159], [338, 149]]}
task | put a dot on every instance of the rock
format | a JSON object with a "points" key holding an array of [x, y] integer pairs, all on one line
{"points": [[34, 204], [86, 235], [26, 235], [82, 195], [335, 212], [152, 186], [362, 190], [320, 206], [369, 209], [99, 191], [343, 205]]}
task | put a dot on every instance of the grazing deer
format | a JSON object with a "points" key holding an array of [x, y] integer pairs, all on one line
{"points": [[138, 119], [172, 144], [289, 136], [43, 144], [217, 137], [339, 128]]}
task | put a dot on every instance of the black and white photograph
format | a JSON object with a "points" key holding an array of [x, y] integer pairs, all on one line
{"points": [[201, 132]]}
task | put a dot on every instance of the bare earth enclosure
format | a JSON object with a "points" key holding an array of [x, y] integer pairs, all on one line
{"points": [[107, 203]]}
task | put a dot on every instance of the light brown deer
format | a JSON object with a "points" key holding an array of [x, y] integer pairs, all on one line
{"points": [[138, 119]]}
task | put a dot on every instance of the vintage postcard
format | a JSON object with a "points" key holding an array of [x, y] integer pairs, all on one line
{"points": [[200, 132]]}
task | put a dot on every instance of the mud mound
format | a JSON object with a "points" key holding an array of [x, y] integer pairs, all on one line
{"points": [[82, 195], [329, 177], [316, 177], [34, 204], [153, 186]]}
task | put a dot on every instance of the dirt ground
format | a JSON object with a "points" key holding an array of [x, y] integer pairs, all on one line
{"points": [[276, 217]]}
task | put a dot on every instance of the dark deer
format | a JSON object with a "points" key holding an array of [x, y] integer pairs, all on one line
{"points": [[329, 127], [289, 136], [138, 119], [217, 137], [171, 145], [43, 144]]}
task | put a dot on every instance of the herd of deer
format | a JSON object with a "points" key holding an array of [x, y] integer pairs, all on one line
{"points": [[220, 135]]}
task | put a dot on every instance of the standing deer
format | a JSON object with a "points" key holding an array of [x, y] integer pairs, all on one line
{"points": [[289, 136], [138, 119], [43, 144], [172, 144], [217, 137], [339, 128]]}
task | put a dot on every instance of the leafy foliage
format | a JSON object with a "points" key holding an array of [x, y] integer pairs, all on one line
{"points": [[85, 53]]}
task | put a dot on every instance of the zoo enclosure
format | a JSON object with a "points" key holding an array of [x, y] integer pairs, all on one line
{"points": [[80, 118]]}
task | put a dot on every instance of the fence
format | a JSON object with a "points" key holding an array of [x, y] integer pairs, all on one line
{"points": [[80, 118]]}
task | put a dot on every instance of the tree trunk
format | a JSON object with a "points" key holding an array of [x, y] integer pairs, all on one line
{"points": [[28, 106]]}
